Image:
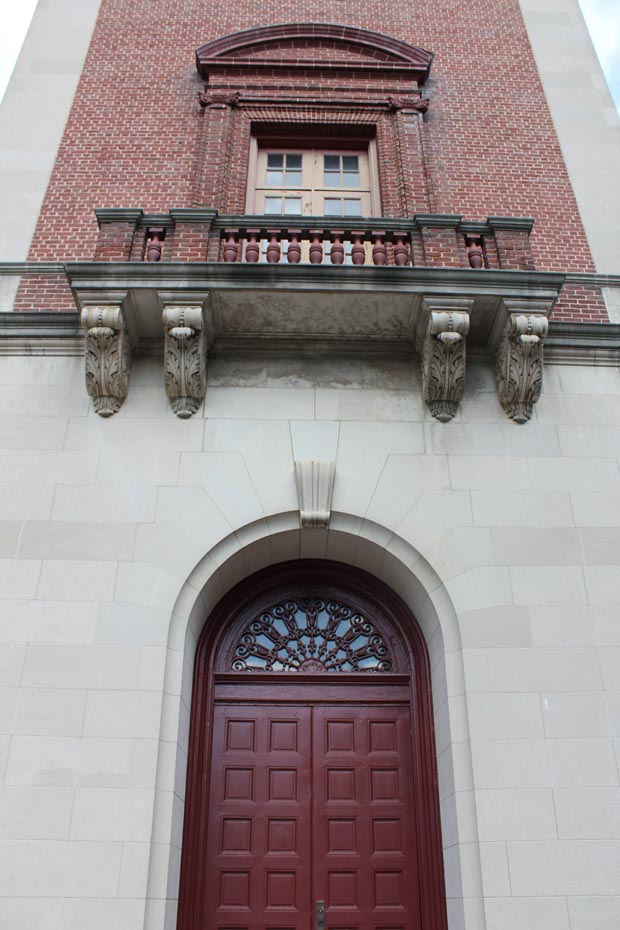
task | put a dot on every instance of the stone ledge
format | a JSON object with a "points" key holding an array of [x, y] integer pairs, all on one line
{"points": [[49, 333]]}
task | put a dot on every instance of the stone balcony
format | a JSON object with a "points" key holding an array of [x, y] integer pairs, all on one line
{"points": [[430, 285], [192, 284]]}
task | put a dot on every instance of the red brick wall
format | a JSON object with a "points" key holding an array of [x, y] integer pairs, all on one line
{"points": [[134, 137]]}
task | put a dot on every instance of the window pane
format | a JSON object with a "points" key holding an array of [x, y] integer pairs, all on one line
{"points": [[274, 160], [352, 207], [273, 205], [333, 207], [293, 178], [350, 163], [293, 161], [331, 179], [331, 162], [292, 205], [275, 178], [351, 179]]}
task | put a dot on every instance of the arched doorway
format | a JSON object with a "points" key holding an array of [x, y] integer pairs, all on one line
{"points": [[311, 792]]}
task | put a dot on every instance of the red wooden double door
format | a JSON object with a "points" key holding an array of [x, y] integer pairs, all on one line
{"points": [[311, 796], [310, 819]]}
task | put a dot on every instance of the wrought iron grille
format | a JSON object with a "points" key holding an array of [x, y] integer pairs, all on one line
{"points": [[311, 635]]}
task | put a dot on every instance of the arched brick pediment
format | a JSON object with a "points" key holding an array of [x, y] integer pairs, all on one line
{"points": [[314, 47]]}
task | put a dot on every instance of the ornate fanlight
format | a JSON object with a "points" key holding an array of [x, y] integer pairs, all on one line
{"points": [[311, 635]]}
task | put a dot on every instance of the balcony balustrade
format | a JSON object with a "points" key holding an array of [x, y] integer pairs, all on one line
{"points": [[424, 240]]}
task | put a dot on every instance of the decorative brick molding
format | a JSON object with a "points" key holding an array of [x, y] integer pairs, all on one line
{"points": [[279, 49], [107, 357]]}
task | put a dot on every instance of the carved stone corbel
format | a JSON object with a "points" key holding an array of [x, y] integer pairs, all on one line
{"points": [[208, 99], [315, 488], [185, 358], [519, 364], [107, 357], [419, 104], [443, 361]]}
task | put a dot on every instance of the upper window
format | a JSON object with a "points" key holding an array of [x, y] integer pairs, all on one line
{"points": [[322, 181]]}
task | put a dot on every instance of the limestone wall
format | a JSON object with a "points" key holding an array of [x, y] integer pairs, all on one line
{"points": [[118, 536]]}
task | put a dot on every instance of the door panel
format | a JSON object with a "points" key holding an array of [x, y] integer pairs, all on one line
{"points": [[311, 803], [258, 856], [364, 853]]}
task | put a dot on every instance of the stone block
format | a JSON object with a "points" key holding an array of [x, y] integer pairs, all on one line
{"points": [[50, 712], [76, 581], [104, 504], [516, 814], [80, 541], [581, 867], [502, 716], [514, 508], [112, 814], [548, 584], [573, 714], [123, 714], [260, 403], [36, 813], [59, 868]]}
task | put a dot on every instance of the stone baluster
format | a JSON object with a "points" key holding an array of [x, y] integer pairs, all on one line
{"points": [[229, 252], [475, 255], [316, 247], [274, 250], [401, 253], [252, 248], [336, 253], [379, 251], [358, 252], [293, 254], [154, 245]]}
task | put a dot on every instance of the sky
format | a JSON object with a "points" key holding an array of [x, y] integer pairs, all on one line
{"points": [[602, 18]]}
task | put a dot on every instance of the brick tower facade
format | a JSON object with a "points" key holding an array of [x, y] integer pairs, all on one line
{"points": [[309, 484]]}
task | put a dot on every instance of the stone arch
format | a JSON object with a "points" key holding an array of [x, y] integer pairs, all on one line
{"points": [[391, 559]]}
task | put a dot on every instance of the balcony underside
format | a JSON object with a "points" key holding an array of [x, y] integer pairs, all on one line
{"points": [[295, 309]]}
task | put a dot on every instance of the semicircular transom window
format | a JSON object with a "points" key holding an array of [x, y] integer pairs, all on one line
{"points": [[309, 634]]}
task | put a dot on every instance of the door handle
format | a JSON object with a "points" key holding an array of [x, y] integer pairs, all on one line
{"points": [[320, 915]]}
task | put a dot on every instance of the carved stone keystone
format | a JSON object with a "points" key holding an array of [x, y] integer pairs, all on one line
{"points": [[443, 361], [315, 488], [519, 364], [107, 357], [185, 358]]}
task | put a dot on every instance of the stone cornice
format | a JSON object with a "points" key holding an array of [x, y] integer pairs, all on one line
{"points": [[225, 276]]}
